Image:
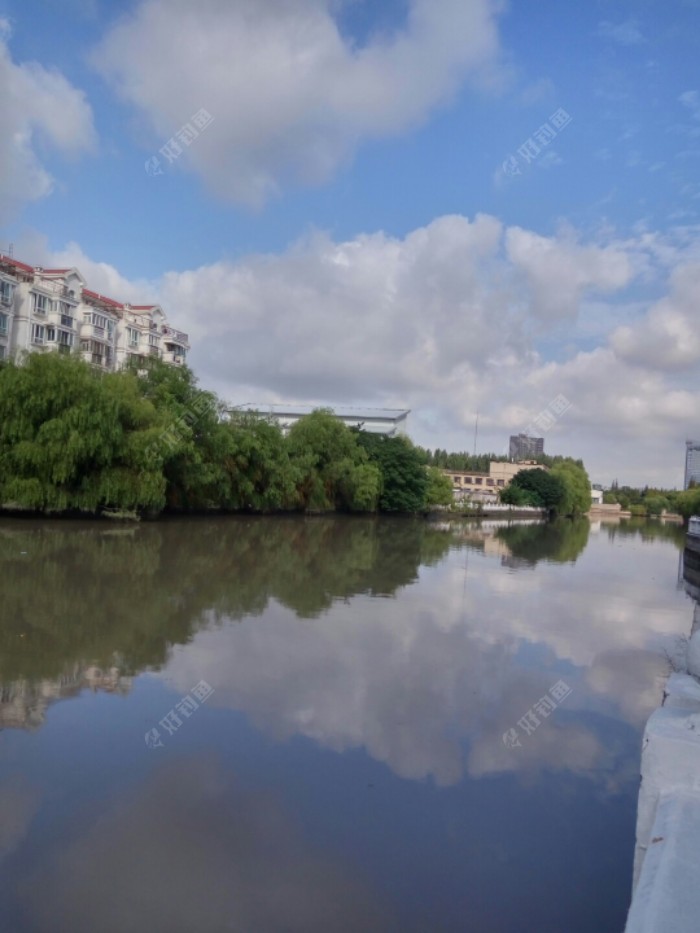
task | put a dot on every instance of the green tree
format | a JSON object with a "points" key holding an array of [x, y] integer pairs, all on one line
{"points": [[404, 481], [74, 439], [655, 505], [688, 502], [332, 469], [577, 488], [439, 491], [543, 489], [256, 461]]}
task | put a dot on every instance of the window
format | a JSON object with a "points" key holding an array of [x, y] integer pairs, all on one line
{"points": [[478, 480], [110, 329], [64, 307], [489, 482], [6, 290], [42, 304], [3, 323], [51, 334], [99, 321], [65, 339], [500, 482], [153, 340], [2, 352], [132, 336], [38, 333]]}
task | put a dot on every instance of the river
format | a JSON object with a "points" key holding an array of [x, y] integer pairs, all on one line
{"points": [[321, 724]]}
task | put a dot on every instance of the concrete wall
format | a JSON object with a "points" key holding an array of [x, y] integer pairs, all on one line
{"points": [[666, 892]]}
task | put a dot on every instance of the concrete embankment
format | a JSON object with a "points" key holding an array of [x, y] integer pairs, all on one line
{"points": [[666, 885]]}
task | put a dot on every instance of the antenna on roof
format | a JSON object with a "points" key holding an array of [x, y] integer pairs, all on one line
{"points": [[476, 431], [11, 251]]}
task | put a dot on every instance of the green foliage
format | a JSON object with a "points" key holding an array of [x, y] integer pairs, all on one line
{"points": [[404, 481], [75, 439], [539, 488], [688, 502], [477, 463], [514, 494], [577, 488], [331, 468], [439, 491], [260, 476], [71, 439], [655, 505]]}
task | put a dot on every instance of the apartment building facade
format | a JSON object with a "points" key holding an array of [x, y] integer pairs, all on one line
{"points": [[53, 309]]}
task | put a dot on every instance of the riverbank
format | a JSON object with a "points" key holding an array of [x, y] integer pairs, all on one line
{"points": [[665, 893]]}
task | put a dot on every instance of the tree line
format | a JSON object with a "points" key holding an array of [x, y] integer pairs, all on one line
{"points": [[651, 501], [73, 439]]}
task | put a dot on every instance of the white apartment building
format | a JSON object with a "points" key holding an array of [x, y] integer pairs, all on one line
{"points": [[52, 309]]}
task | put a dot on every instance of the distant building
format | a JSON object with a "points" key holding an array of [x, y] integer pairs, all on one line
{"points": [[484, 487], [388, 421], [692, 463], [523, 447]]}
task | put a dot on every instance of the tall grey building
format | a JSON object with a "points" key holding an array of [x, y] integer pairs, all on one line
{"points": [[523, 447], [692, 463]]}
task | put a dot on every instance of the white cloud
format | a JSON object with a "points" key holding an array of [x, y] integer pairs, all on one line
{"points": [[626, 33], [291, 98], [457, 316], [559, 270], [36, 106], [668, 337]]}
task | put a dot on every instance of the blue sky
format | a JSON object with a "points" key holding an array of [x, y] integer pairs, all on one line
{"points": [[360, 223]]}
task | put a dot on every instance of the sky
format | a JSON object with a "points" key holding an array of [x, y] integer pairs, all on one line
{"points": [[459, 207]]}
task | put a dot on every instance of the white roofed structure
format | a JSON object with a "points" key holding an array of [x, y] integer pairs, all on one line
{"points": [[388, 421]]}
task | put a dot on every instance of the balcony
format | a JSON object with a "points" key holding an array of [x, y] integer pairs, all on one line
{"points": [[176, 336], [59, 290]]}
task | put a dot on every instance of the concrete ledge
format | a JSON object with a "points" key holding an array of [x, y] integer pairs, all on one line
{"points": [[666, 888], [667, 897]]}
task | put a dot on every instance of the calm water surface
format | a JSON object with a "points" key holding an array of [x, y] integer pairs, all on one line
{"points": [[348, 771]]}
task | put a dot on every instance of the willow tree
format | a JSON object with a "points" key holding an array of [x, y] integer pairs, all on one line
{"points": [[72, 438], [332, 469]]}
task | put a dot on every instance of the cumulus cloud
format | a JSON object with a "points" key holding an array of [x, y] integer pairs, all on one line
{"points": [[457, 316], [290, 95], [667, 338], [559, 270], [37, 106]]}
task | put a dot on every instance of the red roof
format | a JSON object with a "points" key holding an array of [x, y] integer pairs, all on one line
{"points": [[13, 262], [87, 293]]}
